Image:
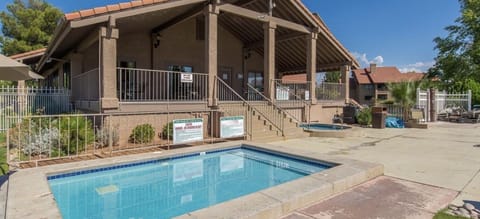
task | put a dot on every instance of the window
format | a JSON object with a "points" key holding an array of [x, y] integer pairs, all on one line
{"points": [[369, 87], [382, 97], [180, 68], [368, 98], [67, 76], [381, 86], [128, 64], [256, 80]]}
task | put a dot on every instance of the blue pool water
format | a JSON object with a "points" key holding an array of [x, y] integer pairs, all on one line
{"points": [[172, 187], [323, 127]]}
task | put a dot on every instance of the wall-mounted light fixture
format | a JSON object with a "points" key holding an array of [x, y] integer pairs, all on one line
{"points": [[156, 40]]}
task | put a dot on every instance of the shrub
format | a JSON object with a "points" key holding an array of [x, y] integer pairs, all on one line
{"points": [[103, 136], [167, 131], [142, 134], [41, 142], [75, 133], [364, 117]]}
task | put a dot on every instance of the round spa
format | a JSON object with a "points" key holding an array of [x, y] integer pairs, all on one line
{"points": [[330, 130]]}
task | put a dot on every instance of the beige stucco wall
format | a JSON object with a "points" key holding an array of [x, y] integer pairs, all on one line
{"points": [[90, 58], [324, 113], [135, 47], [179, 46]]}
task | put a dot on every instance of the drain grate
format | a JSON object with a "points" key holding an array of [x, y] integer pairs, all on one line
{"points": [[476, 146]]}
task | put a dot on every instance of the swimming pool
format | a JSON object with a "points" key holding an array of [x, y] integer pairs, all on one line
{"points": [[171, 187]]}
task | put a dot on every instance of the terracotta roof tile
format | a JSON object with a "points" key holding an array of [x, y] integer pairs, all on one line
{"points": [[100, 10], [384, 75], [110, 8], [295, 78], [29, 53], [72, 16], [136, 3]]}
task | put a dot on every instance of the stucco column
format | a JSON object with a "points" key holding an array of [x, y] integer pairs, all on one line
{"points": [[269, 59], [211, 54], [345, 72], [312, 65], [108, 68], [433, 105]]}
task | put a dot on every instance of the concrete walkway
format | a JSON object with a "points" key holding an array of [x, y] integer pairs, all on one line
{"points": [[384, 197], [443, 156]]}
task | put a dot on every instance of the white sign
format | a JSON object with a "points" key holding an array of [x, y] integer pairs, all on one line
{"points": [[187, 130], [231, 127], [282, 93], [186, 78], [307, 95]]}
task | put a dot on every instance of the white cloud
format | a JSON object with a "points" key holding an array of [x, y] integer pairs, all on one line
{"points": [[417, 67], [365, 62], [377, 60]]}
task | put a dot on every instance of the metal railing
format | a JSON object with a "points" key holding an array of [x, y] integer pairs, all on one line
{"points": [[18, 102], [330, 91], [296, 105], [291, 90], [233, 104], [86, 85], [143, 85], [396, 111], [44, 138], [267, 109]]}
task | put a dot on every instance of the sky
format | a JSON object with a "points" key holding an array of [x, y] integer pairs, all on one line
{"points": [[387, 32]]}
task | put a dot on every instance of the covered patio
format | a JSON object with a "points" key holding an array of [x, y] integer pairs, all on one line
{"points": [[139, 55]]}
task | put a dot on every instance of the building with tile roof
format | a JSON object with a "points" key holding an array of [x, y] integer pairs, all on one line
{"points": [[370, 84]]}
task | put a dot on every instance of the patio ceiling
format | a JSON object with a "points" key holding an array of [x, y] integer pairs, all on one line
{"points": [[290, 45]]}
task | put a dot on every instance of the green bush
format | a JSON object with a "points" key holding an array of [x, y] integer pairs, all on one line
{"points": [[58, 137], [167, 131], [75, 133], [364, 117], [142, 134], [104, 134]]}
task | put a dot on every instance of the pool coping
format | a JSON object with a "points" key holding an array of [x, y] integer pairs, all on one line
{"points": [[35, 200], [351, 131]]}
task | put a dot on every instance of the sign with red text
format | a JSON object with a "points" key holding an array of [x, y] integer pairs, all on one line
{"points": [[187, 130]]}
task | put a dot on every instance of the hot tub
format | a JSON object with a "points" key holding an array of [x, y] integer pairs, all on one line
{"points": [[330, 130]]}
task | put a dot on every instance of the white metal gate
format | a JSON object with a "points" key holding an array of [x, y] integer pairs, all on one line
{"points": [[443, 100], [16, 103]]}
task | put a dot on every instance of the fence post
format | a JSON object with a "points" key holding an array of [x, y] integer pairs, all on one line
{"points": [[469, 96], [433, 102], [8, 146], [110, 134]]}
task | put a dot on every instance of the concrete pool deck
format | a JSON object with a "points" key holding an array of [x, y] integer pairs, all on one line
{"points": [[29, 195], [443, 155]]}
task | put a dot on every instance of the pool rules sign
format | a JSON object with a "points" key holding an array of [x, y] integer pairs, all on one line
{"points": [[232, 127], [187, 130]]}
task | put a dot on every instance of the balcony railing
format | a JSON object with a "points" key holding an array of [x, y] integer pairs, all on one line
{"points": [[330, 91], [143, 85]]}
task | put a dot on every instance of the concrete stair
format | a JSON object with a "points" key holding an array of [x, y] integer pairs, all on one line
{"points": [[263, 131]]}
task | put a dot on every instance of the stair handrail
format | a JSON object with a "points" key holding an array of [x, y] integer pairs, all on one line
{"points": [[249, 105], [305, 103], [275, 106], [354, 102]]}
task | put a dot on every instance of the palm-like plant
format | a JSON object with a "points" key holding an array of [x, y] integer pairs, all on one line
{"points": [[405, 94]]}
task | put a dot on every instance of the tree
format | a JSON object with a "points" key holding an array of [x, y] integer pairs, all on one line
{"points": [[27, 25], [333, 77], [458, 60], [405, 94]]}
